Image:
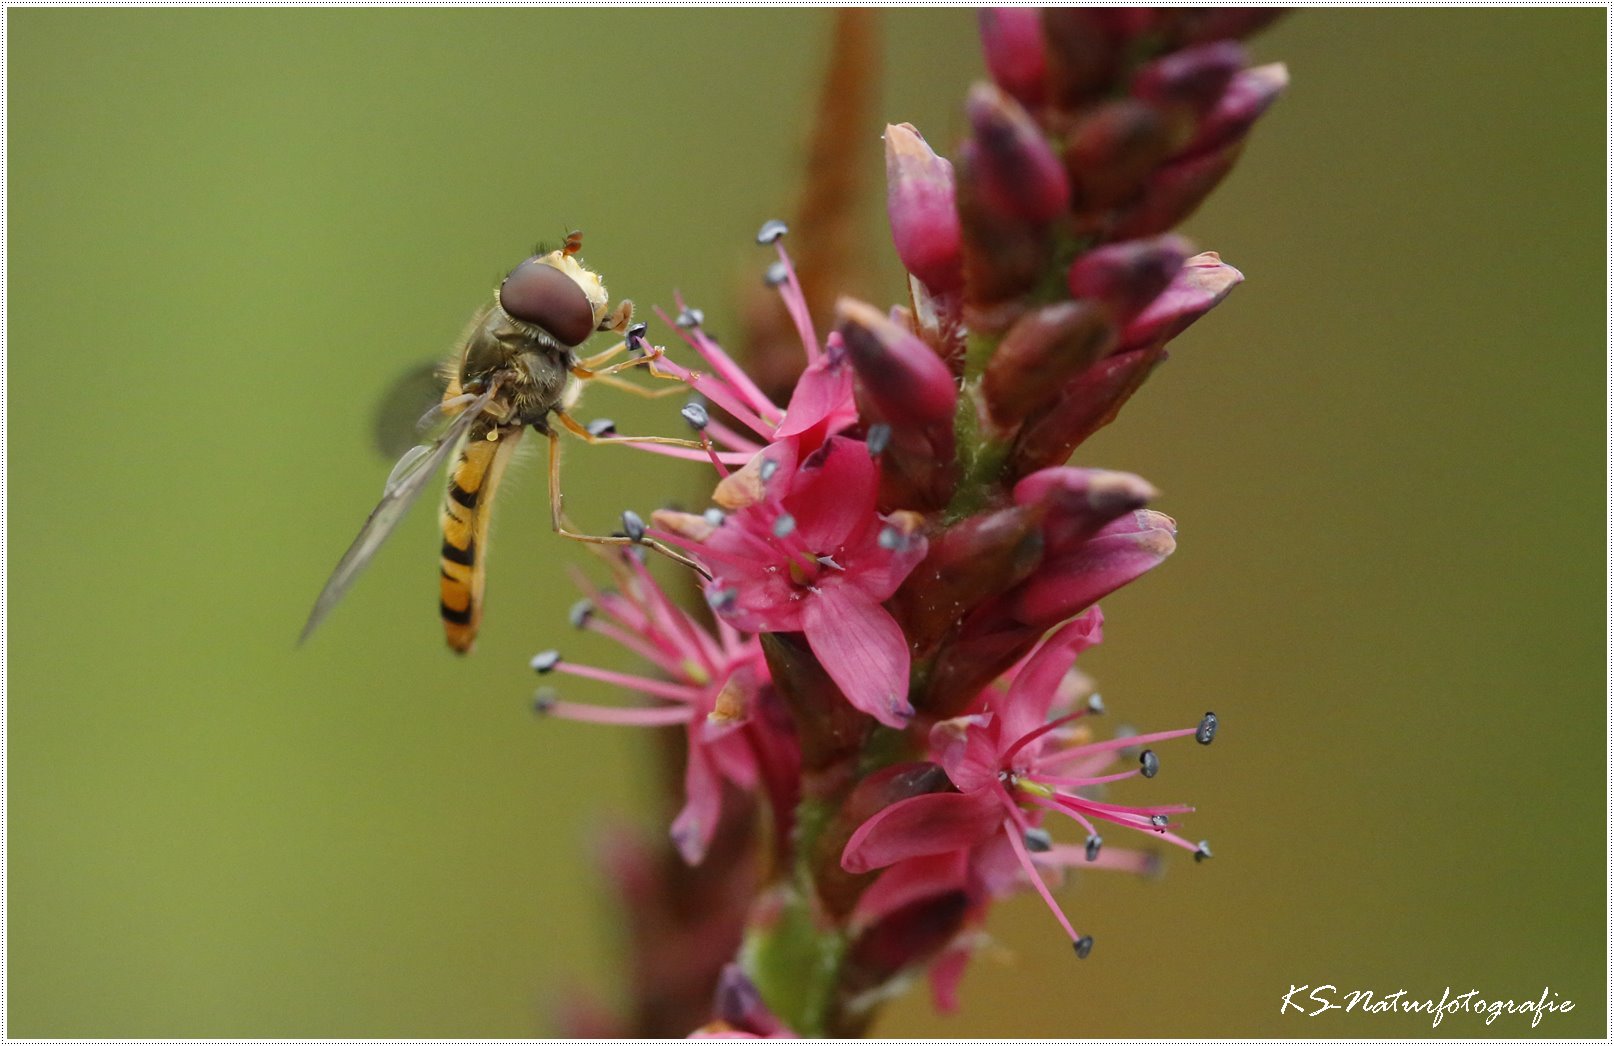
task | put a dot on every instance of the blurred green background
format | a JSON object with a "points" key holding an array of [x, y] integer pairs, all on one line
{"points": [[228, 232]]}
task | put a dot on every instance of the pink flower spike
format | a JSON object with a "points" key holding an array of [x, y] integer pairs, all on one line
{"points": [[1198, 287], [1016, 57], [920, 203]]}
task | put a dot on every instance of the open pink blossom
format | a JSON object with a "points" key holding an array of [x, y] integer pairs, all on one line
{"points": [[710, 686], [1012, 766], [820, 405], [813, 556]]}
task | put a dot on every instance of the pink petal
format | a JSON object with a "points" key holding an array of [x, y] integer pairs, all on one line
{"points": [[832, 494], [909, 881], [862, 648], [823, 393], [695, 824], [923, 826], [945, 975], [1026, 706]]}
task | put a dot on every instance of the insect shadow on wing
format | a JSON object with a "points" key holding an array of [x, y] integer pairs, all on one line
{"points": [[515, 367]]}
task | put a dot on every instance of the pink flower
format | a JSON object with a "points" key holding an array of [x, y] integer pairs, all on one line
{"points": [[1012, 766], [812, 555], [711, 689], [820, 405]]}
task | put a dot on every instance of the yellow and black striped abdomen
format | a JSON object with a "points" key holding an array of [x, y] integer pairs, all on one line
{"points": [[464, 517]]}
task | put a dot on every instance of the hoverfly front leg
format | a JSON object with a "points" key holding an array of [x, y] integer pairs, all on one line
{"points": [[557, 515]]}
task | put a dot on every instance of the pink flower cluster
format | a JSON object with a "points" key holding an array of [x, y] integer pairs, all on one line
{"points": [[901, 567]]}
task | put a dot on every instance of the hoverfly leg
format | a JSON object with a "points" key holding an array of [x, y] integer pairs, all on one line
{"points": [[557, 514], [614, 382], [578, 430], [599, 359]]}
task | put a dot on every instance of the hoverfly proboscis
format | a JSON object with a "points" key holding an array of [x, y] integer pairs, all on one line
{"points": [[514, 367]]}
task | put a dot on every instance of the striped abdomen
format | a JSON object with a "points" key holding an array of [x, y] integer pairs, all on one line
{"points": [[464, 517]]}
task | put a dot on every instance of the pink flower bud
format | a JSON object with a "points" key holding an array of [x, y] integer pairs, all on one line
{"points": [[1176, 192], [1018, 173], [1193, 78], [1120, 552], [1012, 40], [1247, 96], [1128, 276], [1084, 406], [1083, 50], [1202, 282], [1040, 353], [920, 203], [902, 376], [1078, 502], [1113, 150], [968, 563]]}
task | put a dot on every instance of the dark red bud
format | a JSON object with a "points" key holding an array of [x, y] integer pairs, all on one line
{"points": [[1011, 38], [1042, 351], [1246, 98], [1078, 502], [904, 379], [1083, 51], [966, 565], [1125, 277], [1112, 152], [1018, 174], [1192, 79], [1084, 406], [1176, 192]]}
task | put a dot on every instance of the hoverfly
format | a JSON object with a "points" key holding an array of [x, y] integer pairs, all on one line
{"points": [[515, 366]]}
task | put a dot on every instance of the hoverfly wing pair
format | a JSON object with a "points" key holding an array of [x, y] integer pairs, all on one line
{"points": [[409, 478]]}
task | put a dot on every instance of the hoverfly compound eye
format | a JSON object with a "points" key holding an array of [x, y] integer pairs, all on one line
{"points": [[544, 296]]}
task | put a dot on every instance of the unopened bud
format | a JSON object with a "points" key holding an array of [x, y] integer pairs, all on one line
{"points": [[1191, 79], [1018, 174], [1126, 277], [1076, 503], [1011, 38], [1119, 553], [1175, 192], [1084, 46], [1202, 282], [1113, 151], [1242, 103], [1042, 351], [1084, 406], [903, 377], [920, 202]]}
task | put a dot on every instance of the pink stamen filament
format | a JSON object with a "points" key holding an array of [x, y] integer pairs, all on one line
{"points": [[796, 303], [654, 687], [1052, 724], [1114, 744], [1079, 782], [670, 715], [1015, 829], [1117, 859]]}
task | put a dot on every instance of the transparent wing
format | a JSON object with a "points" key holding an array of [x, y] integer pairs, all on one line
{"points": [[404, 486], [400, 408]]}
